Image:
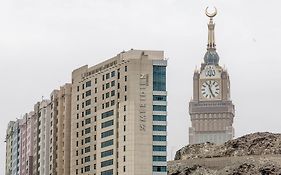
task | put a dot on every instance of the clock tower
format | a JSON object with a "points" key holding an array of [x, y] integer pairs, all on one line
{"points": [[211, 109]]}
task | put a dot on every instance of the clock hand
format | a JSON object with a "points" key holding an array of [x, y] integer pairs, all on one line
{"points": [[210, 89]]}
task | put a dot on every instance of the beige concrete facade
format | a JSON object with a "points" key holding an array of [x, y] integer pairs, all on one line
{"points": [[60, 138], [112, 116]]}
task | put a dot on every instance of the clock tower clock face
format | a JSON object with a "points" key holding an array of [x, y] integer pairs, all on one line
{"points": [[210, 89]]}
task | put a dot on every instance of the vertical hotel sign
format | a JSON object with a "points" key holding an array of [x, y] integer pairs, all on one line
{"points": [[143, 115]]}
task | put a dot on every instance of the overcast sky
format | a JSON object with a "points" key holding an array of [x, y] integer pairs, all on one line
{"points": [[41, 42]]}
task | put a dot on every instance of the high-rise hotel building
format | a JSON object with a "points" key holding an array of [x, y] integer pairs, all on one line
{"points": [[112, 120], [118, 116]]}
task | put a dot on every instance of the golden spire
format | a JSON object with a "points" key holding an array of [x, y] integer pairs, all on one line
{"points": [[211, 33]]}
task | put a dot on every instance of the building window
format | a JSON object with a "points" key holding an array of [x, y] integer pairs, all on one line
{"points": [[159, 169], [113, 74], [112, 102], [126, 68], [107, 124], [88, 120], [125, 88], [106, 153], [159, 148], [107, 114], [159, 98], [112, 93], [77, 88], [107, 163], [88, 112], [159, 108], [87, 140], [107, 85], [159, 128], [107, 95], [88, 93], [96, 80], [125, 108], [159, 138], [118, 75], [87, 168], [87, 130], [159, 158], [88, 149], [107, 172], [106, 143], [159, 78], [88, 102], [87, 159], [107, 133], [107, 76], [112, 83], [88, 84], [159, 117], [126, 78]]}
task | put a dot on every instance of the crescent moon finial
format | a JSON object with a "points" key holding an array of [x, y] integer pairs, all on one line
{"points": [[211, 15]]}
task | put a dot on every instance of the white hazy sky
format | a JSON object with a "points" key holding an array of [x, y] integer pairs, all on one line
{"points": [[41, 42]]}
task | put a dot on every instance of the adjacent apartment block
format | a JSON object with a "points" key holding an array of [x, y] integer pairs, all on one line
{"points": [[60, 131], [119, 116], [9, 148], [39, 142]]}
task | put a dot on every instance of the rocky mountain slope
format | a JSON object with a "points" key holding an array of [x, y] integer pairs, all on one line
{"points": [[258, 153]]}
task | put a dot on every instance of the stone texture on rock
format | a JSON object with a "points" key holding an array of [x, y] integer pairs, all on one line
{"points": [[252, 154], [251, 144]]}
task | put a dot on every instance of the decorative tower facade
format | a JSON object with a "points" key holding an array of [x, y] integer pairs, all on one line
{"points": [[211, 109]]}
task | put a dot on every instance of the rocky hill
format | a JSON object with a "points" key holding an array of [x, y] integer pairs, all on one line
{"points": [[258, 153]]}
